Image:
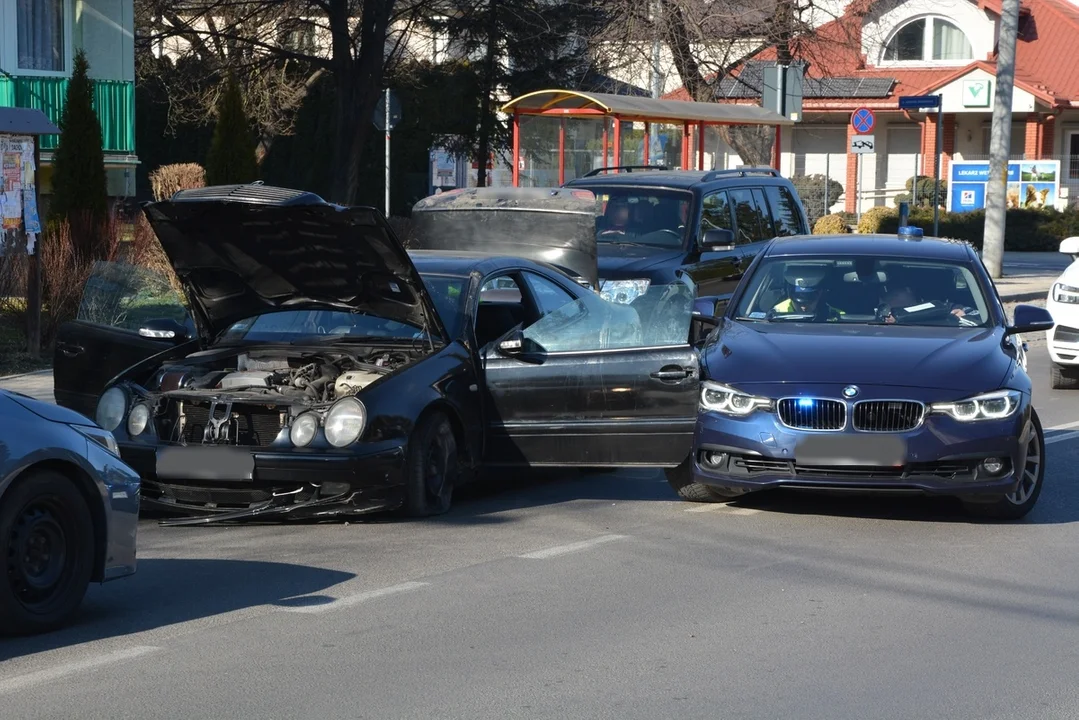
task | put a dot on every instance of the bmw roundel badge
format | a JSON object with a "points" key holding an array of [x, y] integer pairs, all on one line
{"points": [[850, 391]]}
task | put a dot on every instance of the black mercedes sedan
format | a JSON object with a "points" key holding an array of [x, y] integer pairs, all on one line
{"points": [[319, 369]]}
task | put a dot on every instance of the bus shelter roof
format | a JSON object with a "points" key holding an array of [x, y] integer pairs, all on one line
{"points": [[628, 107]]}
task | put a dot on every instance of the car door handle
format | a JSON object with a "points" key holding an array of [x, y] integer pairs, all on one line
{"points": [[69, 349], [672, 373]]}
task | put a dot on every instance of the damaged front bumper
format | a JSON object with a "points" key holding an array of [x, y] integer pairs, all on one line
{"points": [[295, 484]]}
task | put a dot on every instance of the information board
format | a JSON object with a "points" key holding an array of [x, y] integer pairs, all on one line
{"points": [[1031, 184]]}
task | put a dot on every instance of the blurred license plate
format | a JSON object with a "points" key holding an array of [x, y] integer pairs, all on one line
{"points": [[856, 450], [205, 463]]}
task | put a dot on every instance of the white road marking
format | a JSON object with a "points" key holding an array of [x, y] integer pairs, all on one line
{"points": [[1064, 426], [21, 682], [1061, 438], [725, 509], [572, 547], [350, 600]]}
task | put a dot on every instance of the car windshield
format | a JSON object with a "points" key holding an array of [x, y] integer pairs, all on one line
{"points": [[446, 291], [636, 216], [864, 289]]}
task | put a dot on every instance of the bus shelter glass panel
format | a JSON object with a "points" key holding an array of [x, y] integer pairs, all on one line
{"points": [[539, 150], [584, 145]]}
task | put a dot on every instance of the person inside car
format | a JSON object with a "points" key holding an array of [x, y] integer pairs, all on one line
{"points": [[616, 217], [805, 293]]}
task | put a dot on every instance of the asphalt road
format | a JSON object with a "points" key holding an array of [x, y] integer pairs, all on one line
{"points": [[590, 596]]}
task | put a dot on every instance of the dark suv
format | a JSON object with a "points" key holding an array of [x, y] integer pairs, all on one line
{"points": [[711, 224]]}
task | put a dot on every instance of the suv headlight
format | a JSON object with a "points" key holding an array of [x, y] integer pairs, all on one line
{"points": [[728, 401], [1065, 294], [990, 406], [344, 422], [623, 291], [111, 408]]}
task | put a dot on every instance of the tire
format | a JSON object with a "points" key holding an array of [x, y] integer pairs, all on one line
{"points": [[432, 468], [1061, 378], [681, 480], [1015, 505], [47, 544]]}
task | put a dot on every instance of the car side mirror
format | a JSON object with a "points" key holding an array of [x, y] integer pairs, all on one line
{"points": [[513, 345], [164, 329], [715, 240], [1070, 246], [1030, 318]]}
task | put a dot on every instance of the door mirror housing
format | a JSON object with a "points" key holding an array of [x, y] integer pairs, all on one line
{"points": [[715, 240], [1030, 318], [513, 345], [1070, 246], [164, 329]]}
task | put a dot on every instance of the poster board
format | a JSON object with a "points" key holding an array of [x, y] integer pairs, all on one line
{"points": [[18, 196], [1032, 184]]}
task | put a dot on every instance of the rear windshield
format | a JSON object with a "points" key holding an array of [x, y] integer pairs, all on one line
{"points": [[642, 216]]}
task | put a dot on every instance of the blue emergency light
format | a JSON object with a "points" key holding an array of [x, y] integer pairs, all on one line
{"points": [[910, 232]]}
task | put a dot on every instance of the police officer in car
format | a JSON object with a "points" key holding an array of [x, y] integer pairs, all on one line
{"points": [[805, 295]]}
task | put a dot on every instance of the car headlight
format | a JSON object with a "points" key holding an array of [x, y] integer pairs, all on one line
{"points": [[138, 419], [103, 438], [727, 400], [990, 406], [111, 408], [1065, 294], [303, 430], [623, 291], [345, 421]]}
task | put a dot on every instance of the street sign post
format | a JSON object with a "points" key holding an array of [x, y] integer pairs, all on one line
{"points": [[862, 121], [863, 144], [387, 116], [920, 102]]}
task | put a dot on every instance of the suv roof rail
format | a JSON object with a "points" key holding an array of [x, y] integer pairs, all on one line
{"points": [[740, 172], [626, 168]]}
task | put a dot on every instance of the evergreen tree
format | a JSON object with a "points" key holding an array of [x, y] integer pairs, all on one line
{"points": [[232, 152], [79, 186]]}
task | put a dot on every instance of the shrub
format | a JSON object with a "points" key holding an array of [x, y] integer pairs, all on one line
{"points": [[811, 189], [833, 224], [873, 218], [168, 180], [232, 150], [1024, 230]]}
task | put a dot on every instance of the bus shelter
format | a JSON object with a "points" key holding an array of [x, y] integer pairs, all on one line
{"points": [[560, 133]]}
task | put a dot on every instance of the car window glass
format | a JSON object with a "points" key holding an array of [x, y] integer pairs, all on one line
{"points": [[748, 217], [501, 309], [784, 211], [864, 289], [652, 217], [716, 213], [765, 214], [125, 296], [549, 297], [659, 317]]}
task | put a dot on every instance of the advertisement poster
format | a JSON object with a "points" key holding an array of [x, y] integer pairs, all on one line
{"points": [[18, 201], [1032, 184]]}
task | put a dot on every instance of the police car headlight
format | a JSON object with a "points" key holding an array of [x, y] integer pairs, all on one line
{"points": [[623, 291], [728, 401], [990, 406], [345, 421], [1065, 294], [303, 430], [111, 408]]}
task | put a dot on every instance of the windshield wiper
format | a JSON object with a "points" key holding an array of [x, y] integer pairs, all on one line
{"points": [[785, 317]]}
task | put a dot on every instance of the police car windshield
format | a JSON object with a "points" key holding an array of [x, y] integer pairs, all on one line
{"points": [[642, 216], [864, 290]]}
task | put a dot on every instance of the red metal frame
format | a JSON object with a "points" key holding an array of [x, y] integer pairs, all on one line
{"points": [[617, 141], [778, 152], [700, 146], [516, 149], [562, 152], [647, 140], [605, 145], [685, 146]]}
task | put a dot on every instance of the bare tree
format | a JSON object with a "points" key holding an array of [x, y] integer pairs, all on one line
{"points": [[278, 49]]}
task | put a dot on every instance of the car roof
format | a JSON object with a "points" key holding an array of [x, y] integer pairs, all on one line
{"points": [[678, 179], [463, 262], [880, 245]]}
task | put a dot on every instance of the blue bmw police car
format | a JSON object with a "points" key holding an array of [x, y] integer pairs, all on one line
{"points": [[868, 362]]}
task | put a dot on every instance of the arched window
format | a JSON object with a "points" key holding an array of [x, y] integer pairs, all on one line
{"points": [[928, 39]]}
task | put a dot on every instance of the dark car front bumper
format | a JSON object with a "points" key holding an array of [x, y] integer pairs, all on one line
{"points": [[296, 483], [942, 457]]}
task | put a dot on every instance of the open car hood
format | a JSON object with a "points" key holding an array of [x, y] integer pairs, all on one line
{"points": [[245, 250], [551, 225]]}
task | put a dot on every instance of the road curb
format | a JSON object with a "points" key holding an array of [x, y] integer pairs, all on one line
{"points": [[46, 371]]}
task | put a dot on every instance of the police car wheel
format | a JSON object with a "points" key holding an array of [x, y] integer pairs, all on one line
{"points": [[1032, 475]]}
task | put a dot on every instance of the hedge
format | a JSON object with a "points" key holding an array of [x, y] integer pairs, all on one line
{"points": [[873, 219], [1029, 230], [834, 224]]}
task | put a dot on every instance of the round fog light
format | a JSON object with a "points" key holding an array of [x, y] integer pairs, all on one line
{"points": [[138, 419], [714, 459], [993, 465], [303, 429]]}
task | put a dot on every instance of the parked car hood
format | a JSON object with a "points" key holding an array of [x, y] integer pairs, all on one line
{"points": [[620, 262], [947, 358], [241, 251], [48, 411]]}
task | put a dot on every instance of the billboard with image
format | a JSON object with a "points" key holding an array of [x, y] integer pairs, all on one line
{"points": [[1032, 184]]}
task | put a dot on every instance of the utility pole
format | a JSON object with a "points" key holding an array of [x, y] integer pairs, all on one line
{"points": [[657, 78], [996, 190]]}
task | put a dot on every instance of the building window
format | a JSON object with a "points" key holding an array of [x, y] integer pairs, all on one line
{"points": [[40, 27], [926, 40]]}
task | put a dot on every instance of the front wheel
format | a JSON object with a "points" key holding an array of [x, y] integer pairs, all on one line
{"points": [[432, 468], [1062, 378], [47, 544], [681, 480], [1017, 504]]}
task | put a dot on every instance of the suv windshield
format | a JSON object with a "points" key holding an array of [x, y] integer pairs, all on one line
{"points": [[287, 326], [642, 216], [864, 289]]}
